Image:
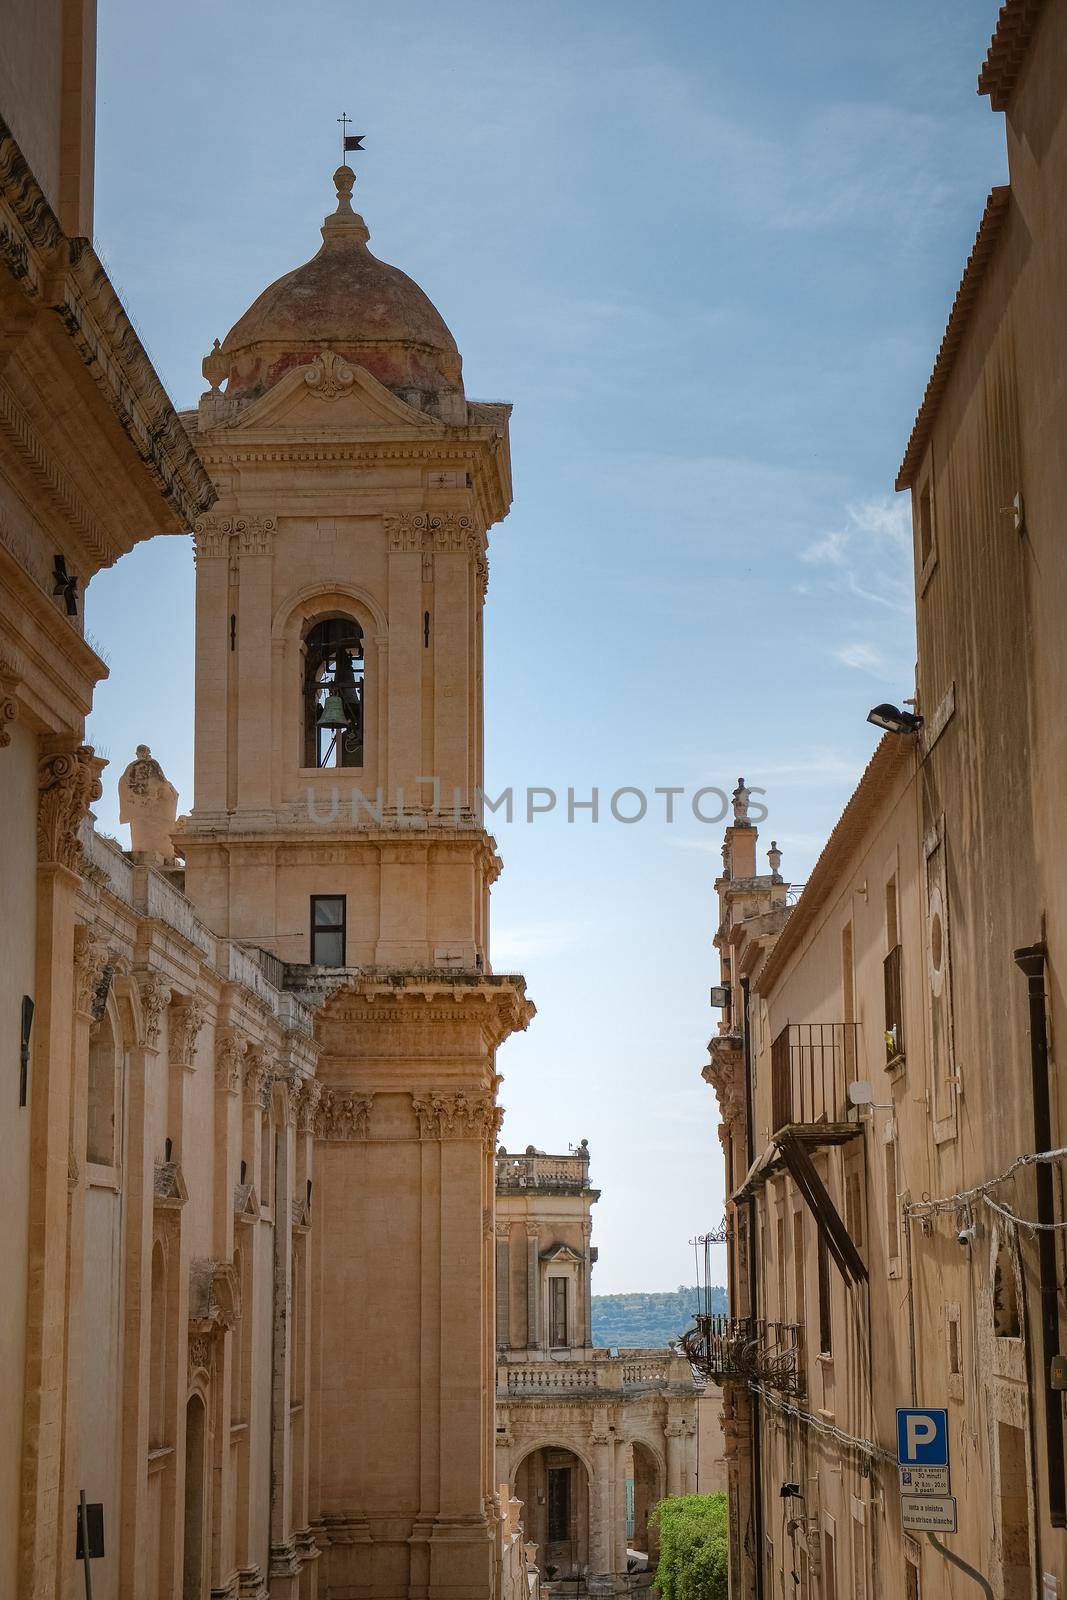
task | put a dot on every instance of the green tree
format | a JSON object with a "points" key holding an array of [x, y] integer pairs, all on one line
{"points": [[693, 1542]]}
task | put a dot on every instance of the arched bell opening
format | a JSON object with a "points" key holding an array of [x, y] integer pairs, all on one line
{"points": [[334, 683]]}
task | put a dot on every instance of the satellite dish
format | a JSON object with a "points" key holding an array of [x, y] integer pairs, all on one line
{"points": [[861, 1093]]}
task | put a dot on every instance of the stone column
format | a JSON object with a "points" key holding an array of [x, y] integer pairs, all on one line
{"points": [[285, 1563], [255, 538], [674, 1434], [503, 1286], [619, 1543], [586, 1314], [68, 782], [154, 997], [601, 1496], [533, 1288]]}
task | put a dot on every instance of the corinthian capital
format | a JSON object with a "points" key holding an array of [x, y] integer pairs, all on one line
{"points": [[68, 781]]}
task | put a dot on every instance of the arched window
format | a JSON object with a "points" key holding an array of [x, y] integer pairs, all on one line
{"points": [[333, 693], [103, 1094], [158, 1351]]}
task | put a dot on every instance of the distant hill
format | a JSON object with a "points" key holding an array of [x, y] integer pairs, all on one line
{"points": [[647, 1319]]}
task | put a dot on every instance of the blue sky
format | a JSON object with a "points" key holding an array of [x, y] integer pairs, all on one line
{"points": [[708, 253]]}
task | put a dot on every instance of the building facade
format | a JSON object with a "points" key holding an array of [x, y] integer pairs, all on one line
{"points": [[588, 1440], [885, 1066], [248, 1161], [93, 459]]}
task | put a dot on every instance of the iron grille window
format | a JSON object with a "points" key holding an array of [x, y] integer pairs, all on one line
{"points": [[894, 1007], [328, 930]]}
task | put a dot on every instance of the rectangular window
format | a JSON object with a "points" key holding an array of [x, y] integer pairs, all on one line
{"points": [[327, 930], [800, 1310], [911, 1581], [826, 1328], [892, 1209], [829, 1565], [559, 1499], [894, 1007], [854, 1207], [557, 1313], [848, 1001], [783, 1310], [955, 1351], [926, 524], [859, 1562]]}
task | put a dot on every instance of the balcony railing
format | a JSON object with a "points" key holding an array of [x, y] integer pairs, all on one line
{"points": [[536, 1170], [812, 1065], [748, 1350]]}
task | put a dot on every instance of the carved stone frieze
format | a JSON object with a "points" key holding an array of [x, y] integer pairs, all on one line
{"points": [[68, 782], [427, 531], [458, 1116], [340, 1115], [255, 535]]}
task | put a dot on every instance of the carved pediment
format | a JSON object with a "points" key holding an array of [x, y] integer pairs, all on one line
{"points": [[561, 1253], [329, 395], [169, 1191], [245, 1203], [214, 1296]]}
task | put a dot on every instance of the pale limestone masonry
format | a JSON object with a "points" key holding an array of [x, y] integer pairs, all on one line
{"points": [[576, 1423]]}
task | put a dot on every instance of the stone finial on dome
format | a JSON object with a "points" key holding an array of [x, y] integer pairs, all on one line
{"points": [[344, 223]]}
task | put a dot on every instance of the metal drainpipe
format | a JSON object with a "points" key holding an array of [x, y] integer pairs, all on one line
{"points": [[1031, 962], [753, 1303]]}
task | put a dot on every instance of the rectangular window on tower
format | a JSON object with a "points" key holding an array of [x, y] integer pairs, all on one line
{"points": [[557, 1313], [327, 930]]}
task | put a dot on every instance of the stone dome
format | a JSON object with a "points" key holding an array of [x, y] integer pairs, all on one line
{"points": [[345, 299]]}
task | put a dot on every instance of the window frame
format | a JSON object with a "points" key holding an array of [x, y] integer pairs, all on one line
{"points": [[331, 928]]}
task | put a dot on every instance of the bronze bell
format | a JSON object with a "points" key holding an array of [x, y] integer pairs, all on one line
{"points": [[333, 713]]}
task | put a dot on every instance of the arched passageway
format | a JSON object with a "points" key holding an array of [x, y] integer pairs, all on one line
{"points": [[553, 1485], [193, 1587], [647, 1493]]}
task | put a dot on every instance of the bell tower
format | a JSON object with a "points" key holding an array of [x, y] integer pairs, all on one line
{"points": [[336, 829]]}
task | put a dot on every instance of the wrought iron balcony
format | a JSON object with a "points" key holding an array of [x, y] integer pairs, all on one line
{"points": [[812, 1065], [748, 1350]]}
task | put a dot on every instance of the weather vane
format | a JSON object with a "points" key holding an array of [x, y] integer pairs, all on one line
{"points": [[349, 141]]}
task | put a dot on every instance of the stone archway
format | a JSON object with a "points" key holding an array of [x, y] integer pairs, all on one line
{"points": [[552, 1481], [649, 1489], [195, 1562]]}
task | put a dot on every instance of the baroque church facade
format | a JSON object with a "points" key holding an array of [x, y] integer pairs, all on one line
{"points": [[248, 1163]]}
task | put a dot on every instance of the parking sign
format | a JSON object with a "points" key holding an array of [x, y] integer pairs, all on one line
{"points": [[922, 1437]]}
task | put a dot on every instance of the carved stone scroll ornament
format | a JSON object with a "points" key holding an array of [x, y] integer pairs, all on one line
{"points": [[342, 1116], [91, 960], [155, 998], [329, 375], [67, 782], [310, 1100], [187, 1017], [230, 1049], [9, 711], [10, 678], [259, 1073]]}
